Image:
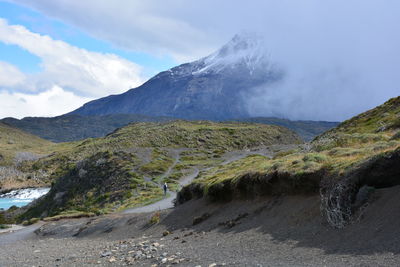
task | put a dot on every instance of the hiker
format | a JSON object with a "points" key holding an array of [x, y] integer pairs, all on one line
{"points": [[165, 189]]}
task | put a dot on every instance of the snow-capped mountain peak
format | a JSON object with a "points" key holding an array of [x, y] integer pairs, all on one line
{"points": [[245, 50]]}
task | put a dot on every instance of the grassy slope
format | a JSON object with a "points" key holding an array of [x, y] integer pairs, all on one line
{"points": [[13, 140], [362, 140], [17, 148], [306, 129], [126, 167]]}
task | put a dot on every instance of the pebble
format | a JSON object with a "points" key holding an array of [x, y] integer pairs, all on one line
{"points": [[106, 254], [130, 253]]}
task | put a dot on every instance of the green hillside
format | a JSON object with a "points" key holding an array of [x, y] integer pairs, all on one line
{"points": [[13, 141], [18, 148], [127, 167], [306, 129], [363, 151]]}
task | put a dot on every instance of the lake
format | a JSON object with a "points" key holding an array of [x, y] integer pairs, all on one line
{"points": [[21, 197]]}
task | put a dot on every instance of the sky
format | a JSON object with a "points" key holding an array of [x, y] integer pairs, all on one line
{"points": [[340, 56]]}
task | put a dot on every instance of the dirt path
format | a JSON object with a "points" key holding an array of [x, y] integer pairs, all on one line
{"points": [[168, 202], [19, 234]]}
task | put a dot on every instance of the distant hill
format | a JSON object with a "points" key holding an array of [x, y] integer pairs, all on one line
{"points": [[15, 141], [68, 128], [76, 127]]}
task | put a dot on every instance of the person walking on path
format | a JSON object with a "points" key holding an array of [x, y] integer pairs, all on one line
{"points": [[165, 187]]}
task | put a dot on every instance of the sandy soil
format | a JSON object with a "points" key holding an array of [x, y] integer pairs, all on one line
{"points": [[275, 231]]}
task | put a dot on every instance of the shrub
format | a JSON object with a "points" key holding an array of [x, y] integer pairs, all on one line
{"points": [[30, 221], [316, 157], [155, 218], [396, 136]]}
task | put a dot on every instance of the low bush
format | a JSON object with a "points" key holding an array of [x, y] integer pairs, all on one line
{"points": [[155, 218]]}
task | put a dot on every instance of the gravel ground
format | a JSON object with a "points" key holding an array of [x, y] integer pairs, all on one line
{"points": [[279, 231]]}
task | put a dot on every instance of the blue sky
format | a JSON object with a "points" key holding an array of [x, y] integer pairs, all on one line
{"points": [[40, 23]]}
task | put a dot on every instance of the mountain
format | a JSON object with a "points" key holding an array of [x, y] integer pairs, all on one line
{"points": [[211, 88], [76, 127]]}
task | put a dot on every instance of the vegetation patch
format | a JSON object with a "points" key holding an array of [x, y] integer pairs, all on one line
{"points": [[363, 151]]}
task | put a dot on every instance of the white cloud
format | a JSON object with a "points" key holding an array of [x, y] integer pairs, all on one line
{"points": [[84, 72], [170, 27], [53, 102], [10, 75]]}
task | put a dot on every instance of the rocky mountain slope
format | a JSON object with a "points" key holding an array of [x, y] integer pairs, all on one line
{"points": [[212, 88]]}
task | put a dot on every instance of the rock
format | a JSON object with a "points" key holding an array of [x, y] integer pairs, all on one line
{"points": [[165, 233], [138, 254], [212, 265], [197, 220], [129, 260], [188, 234], [164, 260], [155, 244], [106, 254], [112, 259], [165, 254]]}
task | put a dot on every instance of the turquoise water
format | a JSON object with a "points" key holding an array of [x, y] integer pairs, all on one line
{"points": [[5, 203]]}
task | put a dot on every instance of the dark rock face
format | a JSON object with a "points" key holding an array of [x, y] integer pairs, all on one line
{"points": [[213, 87]]}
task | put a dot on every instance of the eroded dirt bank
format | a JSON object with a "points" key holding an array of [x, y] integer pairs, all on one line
{"points": [[273, 231]]}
